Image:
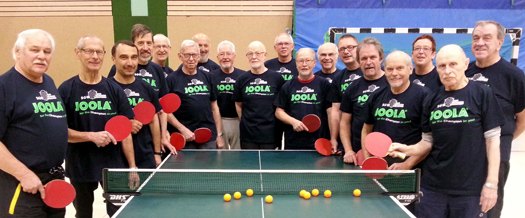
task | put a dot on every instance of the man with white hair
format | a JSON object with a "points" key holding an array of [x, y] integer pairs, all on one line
{"points": [[254, 94], [33, 129], [461, 139], [301, 96], [199, 107], [161, 52], [204, 64], [284, 63], [327, 55], [224, 81]]}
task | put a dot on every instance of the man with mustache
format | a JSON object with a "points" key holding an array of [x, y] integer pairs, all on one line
{"points": [[205, 64], [370, 56], [224, 81], [33, 129], [161, 52], [461, 136], [423, 52], [508, 84]]}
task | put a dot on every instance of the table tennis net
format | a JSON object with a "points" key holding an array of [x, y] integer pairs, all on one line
{"points": [[184, 181]]}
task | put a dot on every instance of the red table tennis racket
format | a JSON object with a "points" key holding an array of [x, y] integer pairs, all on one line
{"points": [[360, 158], [375, 163], [202, 135], [59, 194], [312, 122], [323, 146], [378, 144], [119, 126], [177, 140], [170, 102], [144, 112]]}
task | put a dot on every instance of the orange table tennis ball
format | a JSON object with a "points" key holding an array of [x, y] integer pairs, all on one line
{"points": [[307, 195], [357, 192], [249, 192], [227, 197], [269, 199], [327, 193], [301, 193], [315, 192], [237, 195]]}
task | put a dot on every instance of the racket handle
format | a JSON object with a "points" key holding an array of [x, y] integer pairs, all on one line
{"points": [[398, 154]]}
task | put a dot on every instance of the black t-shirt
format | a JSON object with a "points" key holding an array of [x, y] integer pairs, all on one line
{"points": [[508, 84], [287, 70], [196, 93], [257, 94], [328, 76], [354, 99], [224, 85], [152, 73], [88, 108], [300, 98], [344, 79], [137, 92], [167, 70], [457, 163], [207, 67], [430, 80], [33, 123]]}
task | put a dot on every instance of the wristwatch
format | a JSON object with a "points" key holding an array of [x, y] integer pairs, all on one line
{"points": [[490, 185], [219, 135]]}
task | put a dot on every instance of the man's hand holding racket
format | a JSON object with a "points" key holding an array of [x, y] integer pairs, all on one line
{"points": [[102, 138]]}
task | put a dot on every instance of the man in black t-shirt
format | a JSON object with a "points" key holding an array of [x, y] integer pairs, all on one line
{"points": [[284, 63], [423, 52], [370, 56], [254, 94], [198, 107], [146, 139], [33, 129], [396, 111], [90, 101], [301, 96], [161, 52], [224, 81], [508, 84], [461, 135]]}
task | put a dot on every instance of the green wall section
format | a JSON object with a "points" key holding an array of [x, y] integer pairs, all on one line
{"points": [[123, 21]]}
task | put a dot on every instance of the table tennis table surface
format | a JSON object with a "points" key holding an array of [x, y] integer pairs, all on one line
{"points": [[187, 205]]}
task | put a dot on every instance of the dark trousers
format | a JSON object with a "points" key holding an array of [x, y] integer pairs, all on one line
{"points": [[84, 200], [504, 169], [439, 205], [27, 204]]}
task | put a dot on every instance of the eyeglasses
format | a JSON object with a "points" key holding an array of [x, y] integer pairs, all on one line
{"points": [[326, 55], [258, 54], [162, 46], [424, 49], [350, 48], [307, 61], [188, 55], [282, 44], [228, 54], [91, 51]]}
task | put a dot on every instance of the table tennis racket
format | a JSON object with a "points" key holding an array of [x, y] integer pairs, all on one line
{"points": [[312, 122], [360, 158], [170, 102], [378, 144], [144, 112], [202, 135], [119, 126], [323, 146], [375, 163], [178, 141], [59, 194]]}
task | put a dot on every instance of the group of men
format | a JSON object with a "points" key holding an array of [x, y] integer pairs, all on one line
{"points": [[457, 117]]}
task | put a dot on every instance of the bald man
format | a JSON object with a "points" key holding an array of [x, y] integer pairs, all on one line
{"points": [[204, 64], [306, 94], [254, 94], [461, 135]]}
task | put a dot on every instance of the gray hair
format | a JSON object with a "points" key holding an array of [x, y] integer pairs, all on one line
{"points": [[188, 43], [330, 46], [81, 42], [406, 58], [225, 43], [20, 42], [499, 27], [371, 41], [306, 50], [283, 34], [161, 37]]}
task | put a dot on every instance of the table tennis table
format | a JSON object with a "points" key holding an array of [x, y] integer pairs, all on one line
{"points": [[188, 200]]}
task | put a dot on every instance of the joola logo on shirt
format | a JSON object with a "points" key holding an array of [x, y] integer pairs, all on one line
{"points": [[93, 105], [329, 79], [258, 86], [391, 112], [478, 77], [418, 82], [93, 94], [349, 81], [143, 74], [49, 107], [371, 88], [305, 96], [204, 69], [228, 86], [451, 112], [195, 87], [283, 71], [450, 101], [130, 93], [393, 103], [131, 97]]}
